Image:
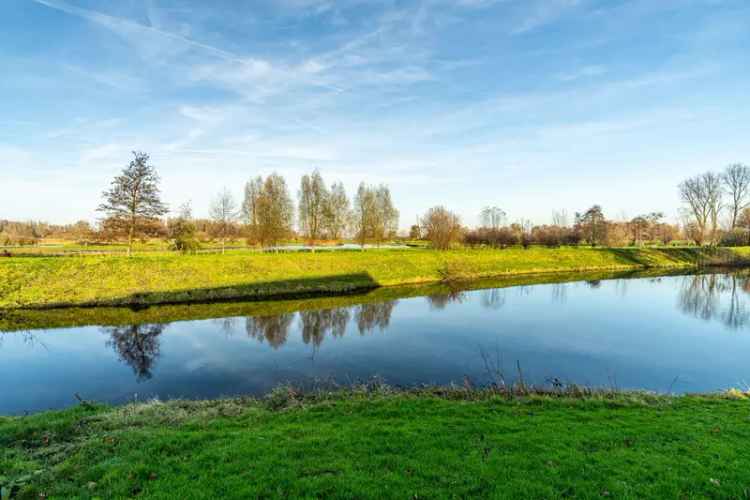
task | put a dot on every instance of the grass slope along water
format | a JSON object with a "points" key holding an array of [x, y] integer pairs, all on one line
{"points": [[384, 444], [34, 282]]}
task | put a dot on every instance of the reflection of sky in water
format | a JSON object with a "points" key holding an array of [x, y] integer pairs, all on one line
{"points": [[640, 333]]}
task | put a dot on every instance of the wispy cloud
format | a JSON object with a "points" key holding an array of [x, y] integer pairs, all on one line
{"points": [[148, 39], [542, 12], [584, 72]]}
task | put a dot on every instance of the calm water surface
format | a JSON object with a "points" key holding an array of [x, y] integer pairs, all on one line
{"points": [[678, 333]]}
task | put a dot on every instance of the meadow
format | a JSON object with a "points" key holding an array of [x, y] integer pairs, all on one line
{"points": [[164, 278], [382, 443]]}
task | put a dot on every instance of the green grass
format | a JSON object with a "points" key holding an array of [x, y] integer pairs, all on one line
{"points": [[157, 279], [381, 444]]}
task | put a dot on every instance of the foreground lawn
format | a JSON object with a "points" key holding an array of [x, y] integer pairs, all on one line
{"points": [[157, 279], [385, 445]]}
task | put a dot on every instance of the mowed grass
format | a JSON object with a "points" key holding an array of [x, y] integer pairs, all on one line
{"points": [[171, 278], [385, 446]]}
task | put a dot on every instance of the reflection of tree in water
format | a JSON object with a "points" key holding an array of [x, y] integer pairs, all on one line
{"points": [[368, 316], [136, 345], [560, 293], [440, 300], [227, 325], [274, 329], [493, 298], [701, 295], [316, 324]]}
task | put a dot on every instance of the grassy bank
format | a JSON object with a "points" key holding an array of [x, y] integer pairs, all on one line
{"points": [[84, 281], [381, 444], [65, 317]]}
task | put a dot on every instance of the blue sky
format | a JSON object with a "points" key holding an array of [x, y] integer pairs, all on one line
{"points": [[531, 105]]}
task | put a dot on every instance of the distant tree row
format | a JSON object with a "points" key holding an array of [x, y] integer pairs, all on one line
{"points": [[716, 210], [443, 229]]}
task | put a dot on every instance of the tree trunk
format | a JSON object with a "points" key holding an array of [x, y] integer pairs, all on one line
{"points": [[130, 238]]}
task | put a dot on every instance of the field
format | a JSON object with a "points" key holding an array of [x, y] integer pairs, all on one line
{"points": [[379, 443], [34, 282]]}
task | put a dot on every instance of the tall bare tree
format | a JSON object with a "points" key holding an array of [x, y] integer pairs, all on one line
{"points": [[364, 216], [250, 206], [736, 180], [313, 198], [386, 215], [441, 227], [134, 199], [275, 211], [560, 218], [702, 197], [492, 217], [224, 213], [337, 212]]}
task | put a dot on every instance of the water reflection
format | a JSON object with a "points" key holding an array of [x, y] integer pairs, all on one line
{"points": [[720, 297], [639, 334], [317, 324], [559, 293], [136, 345], [439, 301], [370, 316], [494, 298], [274, 329]]}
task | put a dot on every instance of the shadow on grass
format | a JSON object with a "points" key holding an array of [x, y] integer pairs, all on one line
{"points": [[343, 284], [694, 256]]}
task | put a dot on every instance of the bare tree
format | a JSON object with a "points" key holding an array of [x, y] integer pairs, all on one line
{"points": [[251, 206], [560, 218], [134, 199], [275, 211], [492, 217], [386, 215], [441, 227], [313, 198], [337, 213], [702, 196], [736, 180], [365, 206], [224, 213]]}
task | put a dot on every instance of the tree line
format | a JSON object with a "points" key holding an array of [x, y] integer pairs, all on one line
{"points": [[266, 216], [716, 210], [444, 230]]}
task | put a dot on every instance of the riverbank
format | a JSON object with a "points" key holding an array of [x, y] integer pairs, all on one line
{"points": [[380, 443], [41, 282], [26, 320]]}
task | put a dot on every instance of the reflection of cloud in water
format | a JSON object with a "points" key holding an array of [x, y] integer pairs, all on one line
{"points": [[720, 297], [136, 345]]}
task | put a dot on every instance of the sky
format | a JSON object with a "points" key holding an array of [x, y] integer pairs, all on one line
{"points": [[529, 105]]}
